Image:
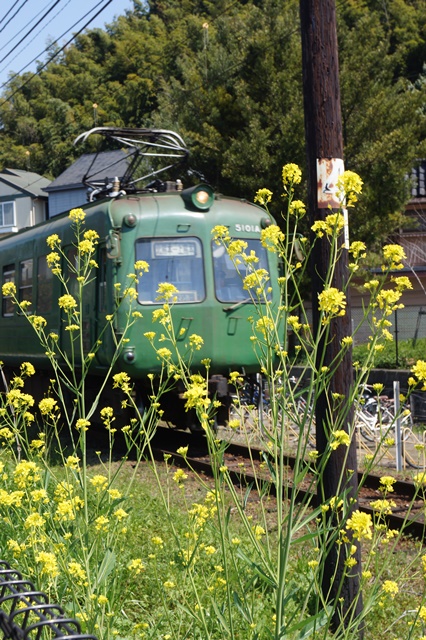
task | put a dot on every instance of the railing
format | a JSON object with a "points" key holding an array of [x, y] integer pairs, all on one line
{"points": [[26, 613]]}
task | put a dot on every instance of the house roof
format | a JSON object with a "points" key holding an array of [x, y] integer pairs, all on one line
{"points": [[105, 165], [27, 181]]}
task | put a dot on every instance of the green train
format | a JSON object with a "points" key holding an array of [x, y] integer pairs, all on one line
{"points": [[171, 229]]}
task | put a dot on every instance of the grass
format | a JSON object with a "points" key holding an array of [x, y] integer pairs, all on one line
{"points": [[408, 354], [143, 595]]}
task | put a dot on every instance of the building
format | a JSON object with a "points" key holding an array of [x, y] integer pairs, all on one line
{"points": [[408, 323], [23, 201], [69, 191]]}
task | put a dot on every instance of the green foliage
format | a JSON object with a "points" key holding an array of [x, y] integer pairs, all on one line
{"points": [[408, 354], [228, 78]]}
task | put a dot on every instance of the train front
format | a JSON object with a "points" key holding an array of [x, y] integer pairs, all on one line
{"points": [[173, 233]]}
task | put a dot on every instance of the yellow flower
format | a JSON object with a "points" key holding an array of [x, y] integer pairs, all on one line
{"points": [[136, 565], [291, 175], [47, 406], [179, 476], [297, 208], [387, 483], [77, 215], [196, 342], [9, 289], [420, 479], [163, 353], [86, 246], [101, 523], [210, 550], [114, 494], [34, 521], [120, 514], [82, 424], [419, 370], [271, 237], [53, 240], [141, 266], [263, 196], [169, 584], [360, 523], [383, 507], [402, 283], [27, 369], [393, 255], [371, 285], [390, 587], [38, 322], [48, 562], [349, 186], [77, 572], [67, 302], [220, 232], [166, 291], [99, 482], [332, 302], [357, 249], [26, 473], [121, 381], [258, 531]]}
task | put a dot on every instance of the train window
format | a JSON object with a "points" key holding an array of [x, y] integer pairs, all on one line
{"points": [[175, 260], [26, 280], [8, 276], [44, 286], [228, 282]]}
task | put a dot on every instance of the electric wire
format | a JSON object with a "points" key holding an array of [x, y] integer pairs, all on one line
{"points": [[29, 22], [15, 14], [31, 30], [48, 47], [43, 66]]}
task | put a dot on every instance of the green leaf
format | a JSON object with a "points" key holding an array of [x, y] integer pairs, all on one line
{"points": [[105, 568]]}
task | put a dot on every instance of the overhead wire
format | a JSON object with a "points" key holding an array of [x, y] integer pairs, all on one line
{"points": [[43, 66], [29, 22], [37, 34], [56, 40], [31, 30], [15, 14]]}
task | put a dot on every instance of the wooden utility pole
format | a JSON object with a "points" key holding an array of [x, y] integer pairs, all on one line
{"points": [[324, 144]]}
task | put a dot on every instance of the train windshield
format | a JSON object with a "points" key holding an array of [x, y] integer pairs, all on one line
{"points": [[228, 282], [174, 260]]}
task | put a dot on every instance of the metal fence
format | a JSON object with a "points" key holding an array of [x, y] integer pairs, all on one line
{"points": [[26, 613], [408, 323]]}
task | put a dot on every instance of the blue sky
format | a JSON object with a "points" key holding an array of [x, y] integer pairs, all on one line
{"points": [[63, 15]]}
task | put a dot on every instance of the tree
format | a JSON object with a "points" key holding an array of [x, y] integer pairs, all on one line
{"points": [[227, 76]]}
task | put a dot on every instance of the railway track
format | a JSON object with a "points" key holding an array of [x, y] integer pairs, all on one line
{"points": [[238, 459]]}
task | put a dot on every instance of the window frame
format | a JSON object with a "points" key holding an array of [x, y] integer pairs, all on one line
{"points": [[10, 224]]}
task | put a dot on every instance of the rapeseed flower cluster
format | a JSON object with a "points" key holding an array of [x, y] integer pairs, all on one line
{"points": [[263, 197], [291, 175], [332, 303], [331, 226], [349, 187]]}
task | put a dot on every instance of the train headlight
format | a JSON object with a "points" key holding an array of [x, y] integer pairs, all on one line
{"points": [[130, 220], [265, 222], [200, 197], [129, 356]]}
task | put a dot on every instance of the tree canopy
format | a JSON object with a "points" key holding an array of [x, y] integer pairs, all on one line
{"points": [[227, 76]]}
